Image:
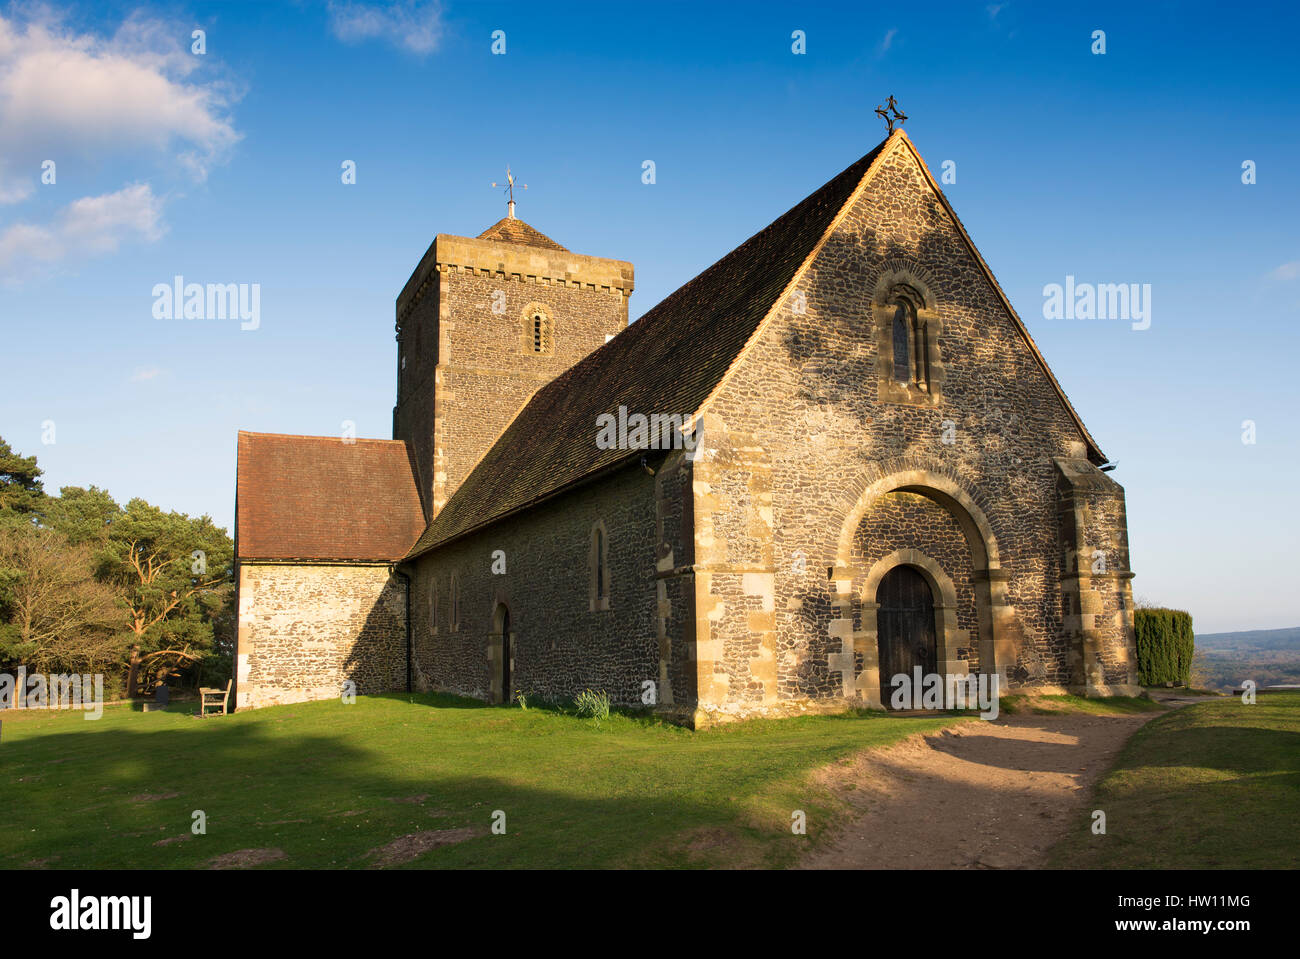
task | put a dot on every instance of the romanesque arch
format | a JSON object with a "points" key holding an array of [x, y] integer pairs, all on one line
{"points": [[856, 588], [947, 634]]}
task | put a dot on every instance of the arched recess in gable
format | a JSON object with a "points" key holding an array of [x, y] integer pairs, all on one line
{"points": [[902, 282], [855, 588]]}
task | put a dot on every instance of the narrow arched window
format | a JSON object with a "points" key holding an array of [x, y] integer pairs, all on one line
{"points": [[539, 331], [923, 356], [454, 602], [908, 334], [433, 605], [599, 592], [600, 563], [903, 343]]}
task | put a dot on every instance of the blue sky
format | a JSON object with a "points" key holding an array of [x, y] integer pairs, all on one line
{"points": [[1122, 167]]}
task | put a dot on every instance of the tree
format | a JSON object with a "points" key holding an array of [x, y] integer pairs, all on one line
{"points": [[21, 490], [175, 573], [82, 515], [83, 579], [59, 618]]}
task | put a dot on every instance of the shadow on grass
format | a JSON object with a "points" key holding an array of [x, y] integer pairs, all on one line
{"points": [[326, 787], [438, 700]]}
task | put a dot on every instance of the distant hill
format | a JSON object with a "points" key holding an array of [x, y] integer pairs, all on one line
{"points": [[1270, 657], [1254, 639]]}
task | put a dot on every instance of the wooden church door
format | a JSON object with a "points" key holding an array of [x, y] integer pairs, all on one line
{"points": [[904, 627], [505, 658]]}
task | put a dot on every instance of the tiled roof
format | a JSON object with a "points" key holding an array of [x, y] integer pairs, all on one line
{"points": [[316, 497], [667, 362], [512, 230]]}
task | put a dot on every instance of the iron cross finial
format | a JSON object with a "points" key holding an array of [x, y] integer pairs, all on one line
{"points": [[510, 190], [890, 112]]}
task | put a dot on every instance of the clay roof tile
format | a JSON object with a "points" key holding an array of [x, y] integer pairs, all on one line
{"points": [[319, 498]]}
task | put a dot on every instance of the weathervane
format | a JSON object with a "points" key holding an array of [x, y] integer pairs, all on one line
{"points": [[510, 189], [891, 107]]}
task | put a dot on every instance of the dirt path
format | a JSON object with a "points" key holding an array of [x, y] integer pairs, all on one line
{"points": [[979, 795]]}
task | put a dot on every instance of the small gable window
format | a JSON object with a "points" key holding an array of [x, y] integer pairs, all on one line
{"points": [[902, 345], [908, 327], [911, 343]]}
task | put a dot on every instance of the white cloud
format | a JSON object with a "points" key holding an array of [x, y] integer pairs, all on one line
{"points": [[142, 374], [65, 93], [1287, 271], [91, 226], [888, 42], [413, 25], [15, 190]]}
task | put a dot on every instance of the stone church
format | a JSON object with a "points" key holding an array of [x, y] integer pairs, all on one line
{"points": [[858, 464]]}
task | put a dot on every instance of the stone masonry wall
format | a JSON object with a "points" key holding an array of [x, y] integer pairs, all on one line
{"points": [[810, 396], [467, 344], [489, 370], [561, 643], [304, 630], [1095, 578]]}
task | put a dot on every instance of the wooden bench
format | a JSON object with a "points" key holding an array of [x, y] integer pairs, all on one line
{"points": [[214, 697]]}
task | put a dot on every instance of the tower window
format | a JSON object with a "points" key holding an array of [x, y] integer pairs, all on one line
{"points": [[537, 330]]}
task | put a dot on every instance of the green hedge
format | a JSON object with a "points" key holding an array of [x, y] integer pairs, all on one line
{"points": [[1164, 646]]}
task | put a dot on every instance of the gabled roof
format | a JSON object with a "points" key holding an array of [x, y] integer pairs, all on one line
{"points": [[511, 230], [668, 361], [671, 361], [319, 498]]}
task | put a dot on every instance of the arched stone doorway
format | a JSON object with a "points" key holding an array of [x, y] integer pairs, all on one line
{"points": [[855, 589], [905, 630], [501, 655]]}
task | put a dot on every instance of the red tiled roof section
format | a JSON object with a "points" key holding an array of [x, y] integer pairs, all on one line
{"points": [[316, 497], [666, 362], [512, 230]]}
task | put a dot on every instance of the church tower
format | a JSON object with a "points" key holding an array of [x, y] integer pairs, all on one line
{"points": [[482, 324]]}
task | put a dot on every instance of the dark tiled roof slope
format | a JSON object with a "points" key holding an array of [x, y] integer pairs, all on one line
{"points": [[511, 230], [667, 362], [316, 497]]}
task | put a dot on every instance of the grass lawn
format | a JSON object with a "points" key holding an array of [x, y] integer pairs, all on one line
{"points": [[1208, 785], [327, 784]]}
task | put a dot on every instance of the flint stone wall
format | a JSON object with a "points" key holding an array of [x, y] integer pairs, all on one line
{"points": [[306, 629]]}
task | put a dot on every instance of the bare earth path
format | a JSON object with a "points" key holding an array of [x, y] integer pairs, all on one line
{"points": [[979, 795]]}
